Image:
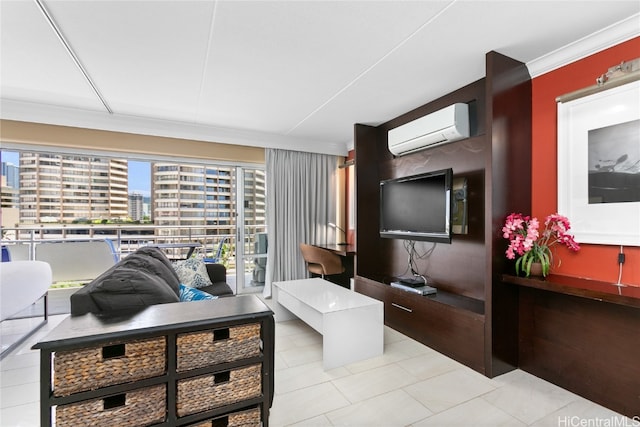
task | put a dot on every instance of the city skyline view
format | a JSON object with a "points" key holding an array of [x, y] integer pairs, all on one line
{"points": [[222, 208], [139, 176], [43, 187]]}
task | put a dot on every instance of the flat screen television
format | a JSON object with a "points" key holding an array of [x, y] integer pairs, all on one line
{"points": [[417, 207]]}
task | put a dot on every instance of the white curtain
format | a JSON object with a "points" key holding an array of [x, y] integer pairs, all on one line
{"points": [[301, 201]]}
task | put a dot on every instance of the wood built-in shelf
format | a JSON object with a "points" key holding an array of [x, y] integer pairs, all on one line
{"points": [[459, 301], [580, 287], [449, 323], [446, 298]]}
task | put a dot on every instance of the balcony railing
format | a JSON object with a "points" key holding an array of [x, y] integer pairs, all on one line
{"points": [[127, 238]]}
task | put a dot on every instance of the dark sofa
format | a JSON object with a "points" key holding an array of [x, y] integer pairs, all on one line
{"points": [[143, 278]]}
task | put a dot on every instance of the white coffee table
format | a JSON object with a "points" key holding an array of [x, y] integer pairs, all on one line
{"points": [[351, 324]]}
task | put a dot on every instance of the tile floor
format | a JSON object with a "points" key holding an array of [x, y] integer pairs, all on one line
{"points": [[413, 385], [410, 385]]}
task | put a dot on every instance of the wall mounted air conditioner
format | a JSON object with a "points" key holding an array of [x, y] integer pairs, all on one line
{"points": [[440, 127]]}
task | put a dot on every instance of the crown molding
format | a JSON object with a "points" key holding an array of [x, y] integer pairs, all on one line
{"points": [[593, 43], [65, 116]]}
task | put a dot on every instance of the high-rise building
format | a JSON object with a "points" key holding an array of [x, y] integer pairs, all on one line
{"points": [[136, 206], [9, 213], [204, 196], [11, 173], [255, 212], [192, 195], [62, 188], [10, 195]]}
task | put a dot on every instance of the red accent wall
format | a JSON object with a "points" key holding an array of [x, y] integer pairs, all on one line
{"points": [[592, 261]]}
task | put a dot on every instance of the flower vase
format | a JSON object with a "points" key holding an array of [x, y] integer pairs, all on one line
{"points": [[536, 270]]}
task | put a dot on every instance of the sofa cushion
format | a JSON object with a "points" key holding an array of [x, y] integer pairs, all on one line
{"points": [[192, 272], [154, 262], [128, 288], [160, 256], [188, 293], [220, 289], [217, 272]]}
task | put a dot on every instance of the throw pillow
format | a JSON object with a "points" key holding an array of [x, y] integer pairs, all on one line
{"points": [[192, 272], [188, 293]]}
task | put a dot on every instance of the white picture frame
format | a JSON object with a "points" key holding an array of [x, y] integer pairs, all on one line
{"points": [[598, 141]]}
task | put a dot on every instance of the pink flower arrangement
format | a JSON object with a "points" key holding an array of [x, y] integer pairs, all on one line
{"points": [[532, 245]]}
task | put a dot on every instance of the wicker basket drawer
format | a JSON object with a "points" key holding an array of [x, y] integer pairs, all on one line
{"points": [[247, 418], [114, 363], [210, 347], [223, 388], [139, 407]]}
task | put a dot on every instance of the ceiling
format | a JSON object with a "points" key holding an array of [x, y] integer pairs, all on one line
{"points": [[285, 74]]}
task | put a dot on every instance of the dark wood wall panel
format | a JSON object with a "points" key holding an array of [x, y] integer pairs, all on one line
{"points": [[369, 261], [500, 125], [509, 172], [509, 95], [460, 266], [387, 258], [501, 330], [589, 347]]}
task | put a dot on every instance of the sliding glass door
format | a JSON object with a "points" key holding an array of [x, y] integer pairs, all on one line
{"points": [[251, 236]]}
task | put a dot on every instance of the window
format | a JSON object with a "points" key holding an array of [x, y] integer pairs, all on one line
{"points": [[190, 200]]}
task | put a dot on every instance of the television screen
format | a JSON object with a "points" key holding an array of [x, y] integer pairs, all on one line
{"points": [[417, 207]]}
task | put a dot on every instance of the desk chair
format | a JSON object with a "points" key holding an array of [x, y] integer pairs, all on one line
{"points": [[321, 261]]}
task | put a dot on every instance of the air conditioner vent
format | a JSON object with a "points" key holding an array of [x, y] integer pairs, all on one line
{"points": [[440, 127]]}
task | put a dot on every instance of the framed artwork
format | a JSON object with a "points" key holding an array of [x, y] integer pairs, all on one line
{"points": [[599, 165]]}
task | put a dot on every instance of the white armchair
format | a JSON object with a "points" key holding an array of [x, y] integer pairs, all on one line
{"points": [[22, 283]]}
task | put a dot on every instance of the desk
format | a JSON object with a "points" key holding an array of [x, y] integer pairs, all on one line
{"points": [[342, 250], [581, 335], [347, 253], [192, 247]]}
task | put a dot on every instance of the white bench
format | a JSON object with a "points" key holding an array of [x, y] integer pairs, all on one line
{"points": [[351, 324]]}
